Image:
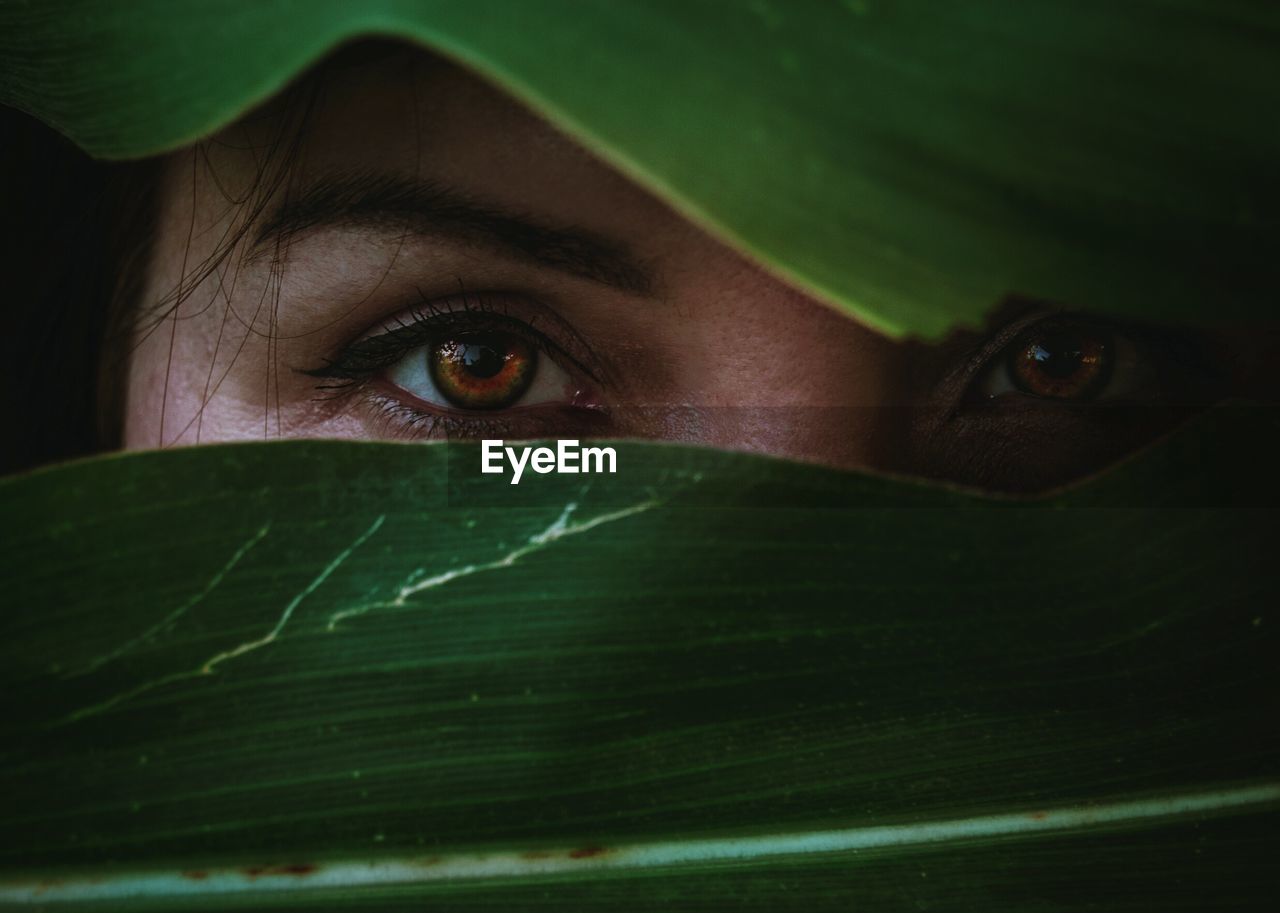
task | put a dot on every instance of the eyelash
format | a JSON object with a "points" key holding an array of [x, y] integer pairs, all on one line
{"points": [[1161, 346], [353, 370], [411, 422], [430, 321]]}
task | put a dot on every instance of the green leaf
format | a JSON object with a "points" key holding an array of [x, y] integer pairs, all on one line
{"points": [[368, 675], [909, 161]]}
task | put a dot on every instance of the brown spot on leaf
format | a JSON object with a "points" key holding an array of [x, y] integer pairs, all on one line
{"points": [[48, 884], [195, 875], [296, 868], [587, 852], [288, 868]]}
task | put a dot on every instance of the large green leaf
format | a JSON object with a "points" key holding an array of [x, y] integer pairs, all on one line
{"points": [[909, 160], [366, 674]]}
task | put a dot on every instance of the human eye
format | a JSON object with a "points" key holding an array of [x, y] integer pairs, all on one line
{"points": [[1066, 358], [1055, 395], [471, 365]]}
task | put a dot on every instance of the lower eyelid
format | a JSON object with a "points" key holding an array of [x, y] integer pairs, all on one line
{"points": [[395, 417]]}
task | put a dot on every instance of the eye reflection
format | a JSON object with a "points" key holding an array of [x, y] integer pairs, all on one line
{"points": [[1068, 360], [1061, 364], [485, 370], [482, 370]]}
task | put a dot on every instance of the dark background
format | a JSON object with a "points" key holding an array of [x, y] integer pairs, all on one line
{"points": [[59, 278]]}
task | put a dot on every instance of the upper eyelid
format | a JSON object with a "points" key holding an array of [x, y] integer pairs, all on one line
{"points": [[466, 311], [999, 340], [970, 362], [476, 312]]}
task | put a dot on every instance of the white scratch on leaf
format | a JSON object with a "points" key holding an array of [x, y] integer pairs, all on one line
{"points": [[172, 618], [271, 636], [560, 528]]}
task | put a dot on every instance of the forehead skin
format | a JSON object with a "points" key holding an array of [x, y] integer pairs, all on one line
{"points": [[717, 333]]}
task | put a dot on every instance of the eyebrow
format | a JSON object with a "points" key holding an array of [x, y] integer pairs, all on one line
{"points": [[428, 209]]}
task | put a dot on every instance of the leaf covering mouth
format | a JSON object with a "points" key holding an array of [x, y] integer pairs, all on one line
{"points": [[366, 677]]}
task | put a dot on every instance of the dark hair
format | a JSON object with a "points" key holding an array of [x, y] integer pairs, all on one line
{"points": [[78, 233]]}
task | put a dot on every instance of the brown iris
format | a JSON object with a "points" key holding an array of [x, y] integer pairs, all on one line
{"points": [[482, 370], [1065, 363]]}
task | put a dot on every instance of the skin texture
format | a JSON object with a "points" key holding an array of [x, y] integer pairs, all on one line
{"points": [[709, 350]]}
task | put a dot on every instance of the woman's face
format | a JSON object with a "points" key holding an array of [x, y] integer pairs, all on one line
{"points": [[402, 252]]}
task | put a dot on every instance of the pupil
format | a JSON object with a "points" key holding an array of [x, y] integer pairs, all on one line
{"points": [[481, 358], [1059, 356]]}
